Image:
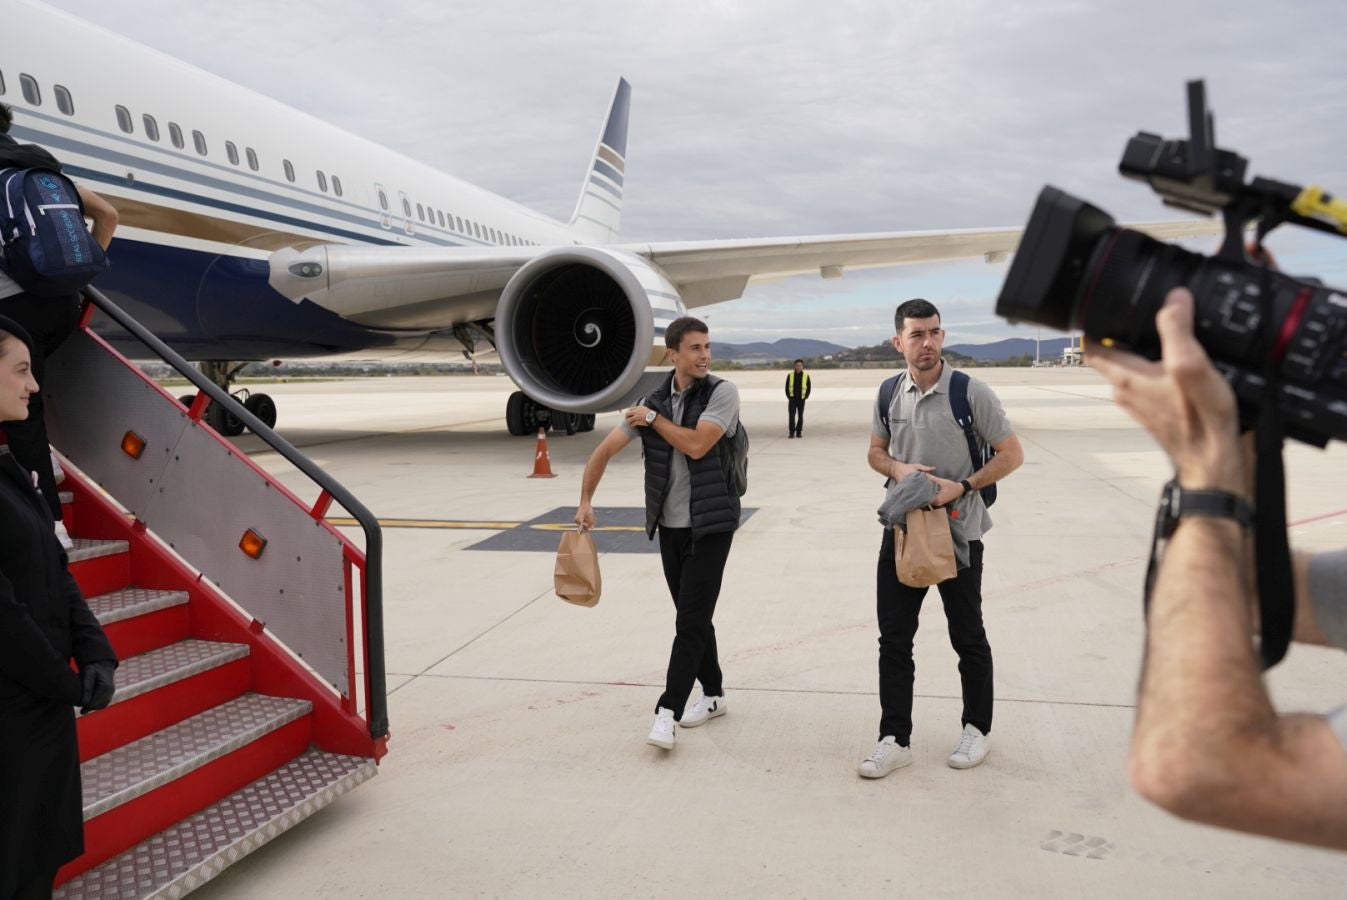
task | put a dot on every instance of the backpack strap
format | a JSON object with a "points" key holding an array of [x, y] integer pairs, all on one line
{"points": [[963, 414], [886, 392]]}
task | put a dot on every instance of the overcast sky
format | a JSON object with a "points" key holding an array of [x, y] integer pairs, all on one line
{"points": [[785, 117]]}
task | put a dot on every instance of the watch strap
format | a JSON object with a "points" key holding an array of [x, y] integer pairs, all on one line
{"points": [[967, 488], [1180, 502]]}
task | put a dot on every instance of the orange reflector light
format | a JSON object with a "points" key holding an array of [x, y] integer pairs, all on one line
{"points": [[133, 445], [252, 543]]}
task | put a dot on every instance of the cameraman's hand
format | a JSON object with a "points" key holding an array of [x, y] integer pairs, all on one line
{"points": [[1181, 400]]}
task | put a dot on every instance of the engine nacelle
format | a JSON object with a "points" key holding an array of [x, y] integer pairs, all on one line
{"points": [[576, 327]]}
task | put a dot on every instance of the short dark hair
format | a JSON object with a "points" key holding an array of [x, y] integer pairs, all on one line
{"points": [[800, 361], [916, 308], [673, 335], [6, 117]]}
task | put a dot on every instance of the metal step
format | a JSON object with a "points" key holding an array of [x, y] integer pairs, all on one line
{"points": [[187, 855], [121, 775], [143, 673], [131, 602], [92, 549]]}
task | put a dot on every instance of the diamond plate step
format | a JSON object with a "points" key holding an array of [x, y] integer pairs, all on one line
{"points": [[137, 768], [131, 602], [92, 549], [192, 852], [143, 673]]}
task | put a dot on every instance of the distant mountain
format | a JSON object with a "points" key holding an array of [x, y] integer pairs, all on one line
{"points": [[1011, 348], [786, 348]]}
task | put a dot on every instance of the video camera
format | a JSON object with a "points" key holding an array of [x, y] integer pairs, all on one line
{"points": [[1275, 338]]}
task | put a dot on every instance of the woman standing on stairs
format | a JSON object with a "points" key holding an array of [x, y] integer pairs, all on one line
{"points": [[44, 622]]}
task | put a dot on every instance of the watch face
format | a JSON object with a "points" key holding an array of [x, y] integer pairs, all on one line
{"points": [[650, 418]]}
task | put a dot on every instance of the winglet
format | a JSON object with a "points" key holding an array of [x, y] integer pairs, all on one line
{"points": [[598, 211]]}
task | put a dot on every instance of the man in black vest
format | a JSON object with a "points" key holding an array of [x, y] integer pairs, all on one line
{"points": [[797, 392], [50, 320], [689, 500]]}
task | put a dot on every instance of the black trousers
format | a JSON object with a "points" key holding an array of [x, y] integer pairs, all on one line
{"points": [[33, 887], [49, 320], [897, 606], [694, 572], [795, 415]]}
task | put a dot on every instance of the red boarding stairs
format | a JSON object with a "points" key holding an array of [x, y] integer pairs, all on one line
{"points": [[251, 689]]}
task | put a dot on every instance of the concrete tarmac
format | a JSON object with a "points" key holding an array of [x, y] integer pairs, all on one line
{"points": [[518, 766]]}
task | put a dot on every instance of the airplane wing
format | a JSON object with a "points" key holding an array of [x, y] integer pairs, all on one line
{"points": [[437, 288]]}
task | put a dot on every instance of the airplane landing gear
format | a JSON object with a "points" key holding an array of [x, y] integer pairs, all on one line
{"points": [[525, 416], [222, 375]]}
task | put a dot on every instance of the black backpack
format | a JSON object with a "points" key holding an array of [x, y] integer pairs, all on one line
{"points": [[734, 447], [978, 453], [44, 244]]}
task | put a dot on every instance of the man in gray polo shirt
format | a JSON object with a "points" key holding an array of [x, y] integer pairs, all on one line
{"points": [[1208, 744], [922, 435], [690, 501]]}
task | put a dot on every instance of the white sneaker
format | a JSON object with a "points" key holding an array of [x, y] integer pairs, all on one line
{"points": [[662, 732], [64, 536], [888, 755], [972, 749], [58, 474], [703, 709]]}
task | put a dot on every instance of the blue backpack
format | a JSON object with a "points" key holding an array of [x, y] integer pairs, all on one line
{"points": [[978, 453], [44, 244]]}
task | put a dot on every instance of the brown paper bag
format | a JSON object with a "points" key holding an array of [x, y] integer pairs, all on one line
{"points": [[576, 577], [927, 550]]}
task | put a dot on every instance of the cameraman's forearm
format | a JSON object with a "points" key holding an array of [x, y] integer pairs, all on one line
{"points": [[1208, 744]]}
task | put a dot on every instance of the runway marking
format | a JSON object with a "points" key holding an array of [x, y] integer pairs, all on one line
{"points": [[482, 525]]}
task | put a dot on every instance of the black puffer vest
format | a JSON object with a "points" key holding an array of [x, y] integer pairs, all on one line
{"points": [[715, 507]]}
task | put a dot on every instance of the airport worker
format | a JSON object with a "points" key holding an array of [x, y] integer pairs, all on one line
{"points": [[44, 622], [918, 433], [1208, 744], [689, 499], [49, 320], [797, 392]]}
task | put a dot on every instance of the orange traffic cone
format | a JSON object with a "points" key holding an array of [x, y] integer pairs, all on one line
{"points": [[542, 462]]}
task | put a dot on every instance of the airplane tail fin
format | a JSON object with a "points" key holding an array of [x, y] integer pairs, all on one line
{"points": [[598, 211]]}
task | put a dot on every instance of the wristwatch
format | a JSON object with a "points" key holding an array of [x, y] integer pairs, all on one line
{"points": [[1177, 502], [650, 417], [967, 488]]}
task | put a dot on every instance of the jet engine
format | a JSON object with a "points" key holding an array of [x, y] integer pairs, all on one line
{"points": [[576, 327]]}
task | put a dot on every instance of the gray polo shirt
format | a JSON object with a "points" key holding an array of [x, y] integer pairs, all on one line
{"points": [[922, 430], [1328, 599], [723, 410]]}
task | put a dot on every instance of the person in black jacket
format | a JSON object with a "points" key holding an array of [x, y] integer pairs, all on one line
{"points": [[797, 392], [44, 622], [48, 320], [689, 500]]}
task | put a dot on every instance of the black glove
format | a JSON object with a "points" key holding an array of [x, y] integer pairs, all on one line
{"points": [[98, 686]]}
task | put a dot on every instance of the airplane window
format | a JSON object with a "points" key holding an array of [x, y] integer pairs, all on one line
{"points": [[336, 185], [458, 223], [430, 214], [322, 181], [30, 90], [252, 158], [383, 199], [406, 208], [199, 141], [175, 135], [151, 127], [476, 230], [441, 215], [289, 170], [124, 119], [64, 102], [232, 152]]}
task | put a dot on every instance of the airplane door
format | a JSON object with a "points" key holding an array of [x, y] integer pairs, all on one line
{"points": [[407, 225], [385, 218]]}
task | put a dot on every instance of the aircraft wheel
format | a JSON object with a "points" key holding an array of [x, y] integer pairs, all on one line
{"points": [[262, 406], [516, 419], [587, 421], [226, 423]]}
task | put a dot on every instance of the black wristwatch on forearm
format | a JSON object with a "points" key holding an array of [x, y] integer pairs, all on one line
{"points": [[967, 488], [1177, 502]]}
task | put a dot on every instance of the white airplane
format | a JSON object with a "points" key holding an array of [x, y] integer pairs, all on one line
{"points": [[253, 231]]}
